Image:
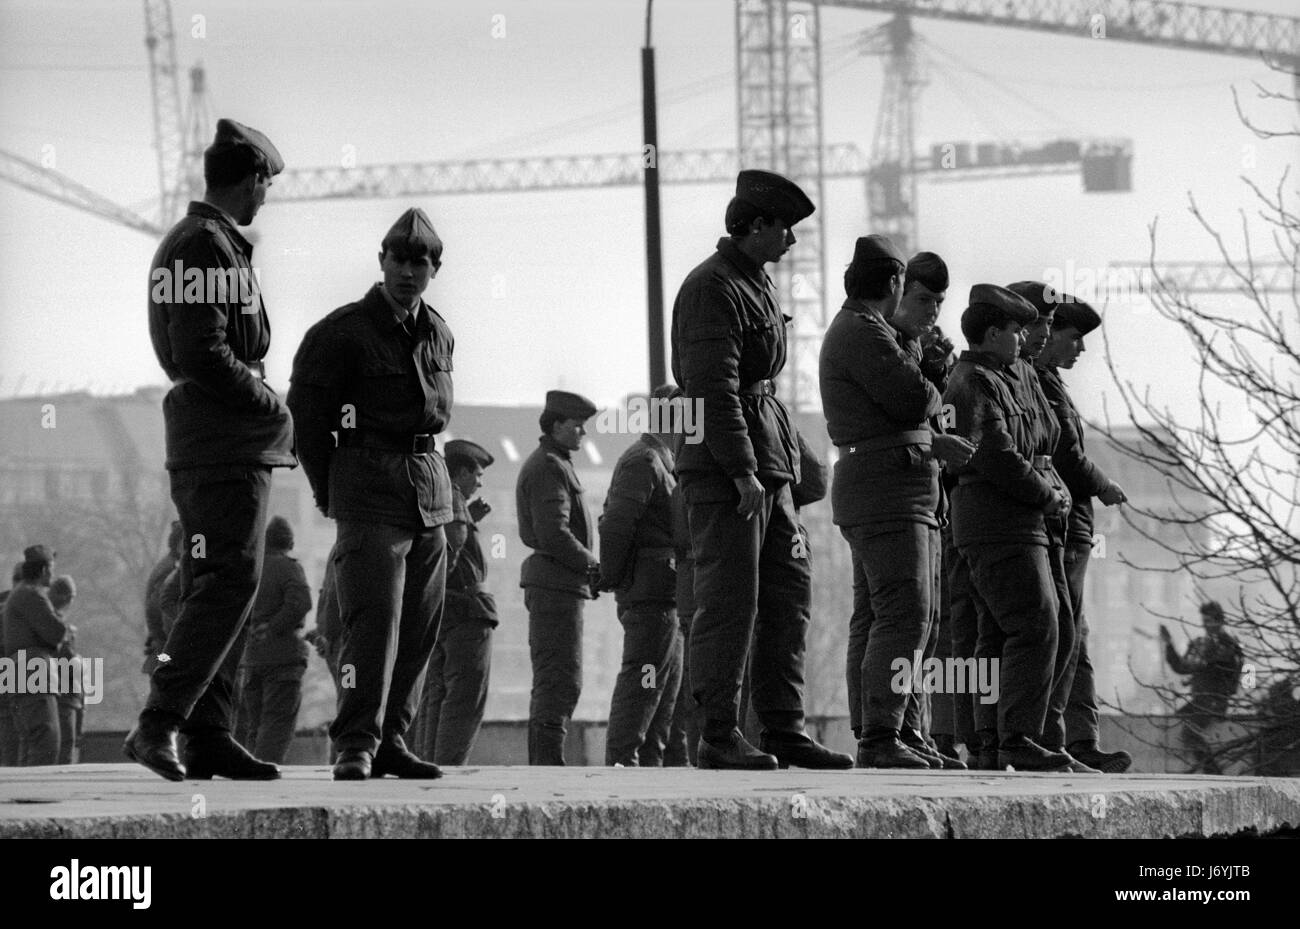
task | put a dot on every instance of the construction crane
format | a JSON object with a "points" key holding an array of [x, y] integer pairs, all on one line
{"points": [[780, 109], [1199, 277]]}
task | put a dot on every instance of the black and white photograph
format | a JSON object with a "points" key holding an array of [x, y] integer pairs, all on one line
{"points": [[651, 419]]}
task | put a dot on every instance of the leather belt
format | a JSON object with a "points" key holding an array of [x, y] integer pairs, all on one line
{"points": [[878, 442], [1039, 463], [255, 368], [760, 389], [420, 443]]}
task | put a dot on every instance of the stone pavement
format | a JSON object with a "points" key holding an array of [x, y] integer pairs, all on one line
{"points": [[126, 801]]}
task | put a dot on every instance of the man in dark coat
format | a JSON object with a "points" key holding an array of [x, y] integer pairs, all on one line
{"points": [[999, 504], [1073, 320], [1214, 662], [378, 372], [638, 563], [559, 575], [885, 499], [226, 429], [71, 698], [8, 732], [455, 693], [728, 346], [33, 631], [275, 657]]}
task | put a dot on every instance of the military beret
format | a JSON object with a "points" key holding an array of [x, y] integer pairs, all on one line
{"points": [[231, 134], [464, 448], [930, 270], [413, 231], [874, 249], [279, 534], [568, 405], [1044, 297], [63, 587], [1008, 302], [38, 554], [1073, 312], [773, 194]]}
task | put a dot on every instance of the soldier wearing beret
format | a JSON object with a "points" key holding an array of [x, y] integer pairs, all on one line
{"points": [[1073, 320], [728, 346], [32, 626], [378, 372], [561, 573], [275, 657], [638, 563], [455, 693], [1002, 497], [226, 429], [884, 498], [1046, 429]]}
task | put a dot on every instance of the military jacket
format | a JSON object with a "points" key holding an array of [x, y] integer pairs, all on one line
{"points": [[465, 597], [728, 334], [210, 336], [1000, 496], [1082, 477], [279, 612], [636, 528], [553, 521], [31, 624], [358, 371]]}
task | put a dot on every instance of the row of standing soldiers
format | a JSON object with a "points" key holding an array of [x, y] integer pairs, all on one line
{"points": [[372, 387]]}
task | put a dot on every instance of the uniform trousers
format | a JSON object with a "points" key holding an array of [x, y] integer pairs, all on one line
{"points": [[750, 586], [222, 511], [456, 691], [555, 645], [391, 581], [269, 699], [1081, 713], [36, 719], [645, 692], [1067, 645]]}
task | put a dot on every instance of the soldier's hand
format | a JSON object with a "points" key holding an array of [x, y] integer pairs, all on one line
{"points": [[751, 495], [953, 450], [1112, 495], [478, 508], [1058, 504]]}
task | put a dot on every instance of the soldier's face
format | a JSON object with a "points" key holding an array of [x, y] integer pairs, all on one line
{"points": [[259, 185], [773, 239], [1004, 344], [469, 480], [569, 433], [918, 311], [406, 276], [1065, 347], [1036, 336]]}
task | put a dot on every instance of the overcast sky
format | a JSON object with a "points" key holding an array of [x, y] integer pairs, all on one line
{"points": [[547, 289]]}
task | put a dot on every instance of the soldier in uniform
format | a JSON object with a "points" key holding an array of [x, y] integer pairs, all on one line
{"points": [[1002, 496], [226, 429], [638, 563], [32, 626], [71, 700], [455, 693], [8, 732], [1073, 320], [728, 344], [378, 372], [561, 573], [1045, 428], [884, 498], [1214, 662], [156, 635], [275, 658]]}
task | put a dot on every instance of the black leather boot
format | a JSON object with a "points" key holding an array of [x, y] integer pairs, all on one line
{"points": [[221, 756], [799, 750], [886, 751], [1105, 762], [152, 743], [1021, 753], [393, 757], [733, 752]]}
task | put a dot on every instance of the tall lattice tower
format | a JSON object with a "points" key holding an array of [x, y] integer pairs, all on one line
{"points": [[778, 63]]}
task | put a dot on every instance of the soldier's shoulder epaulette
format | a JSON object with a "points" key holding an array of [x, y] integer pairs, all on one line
{"points": [[342, 312]]}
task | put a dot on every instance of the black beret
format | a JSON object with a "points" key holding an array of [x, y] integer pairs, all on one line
{"points": [[414, 231], [1016, 307], [773, 194], [1044, 297], [231, 134], [464, 448], [874, 249], [930, 270], [38, 554], [1072, 311], [279, 534], [568, 405]]}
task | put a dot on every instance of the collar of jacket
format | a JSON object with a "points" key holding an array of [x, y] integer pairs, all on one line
{"points": [[729, 250], [555, 447], [208, 211], [378, 304], [988, 360], [862, 308]]}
